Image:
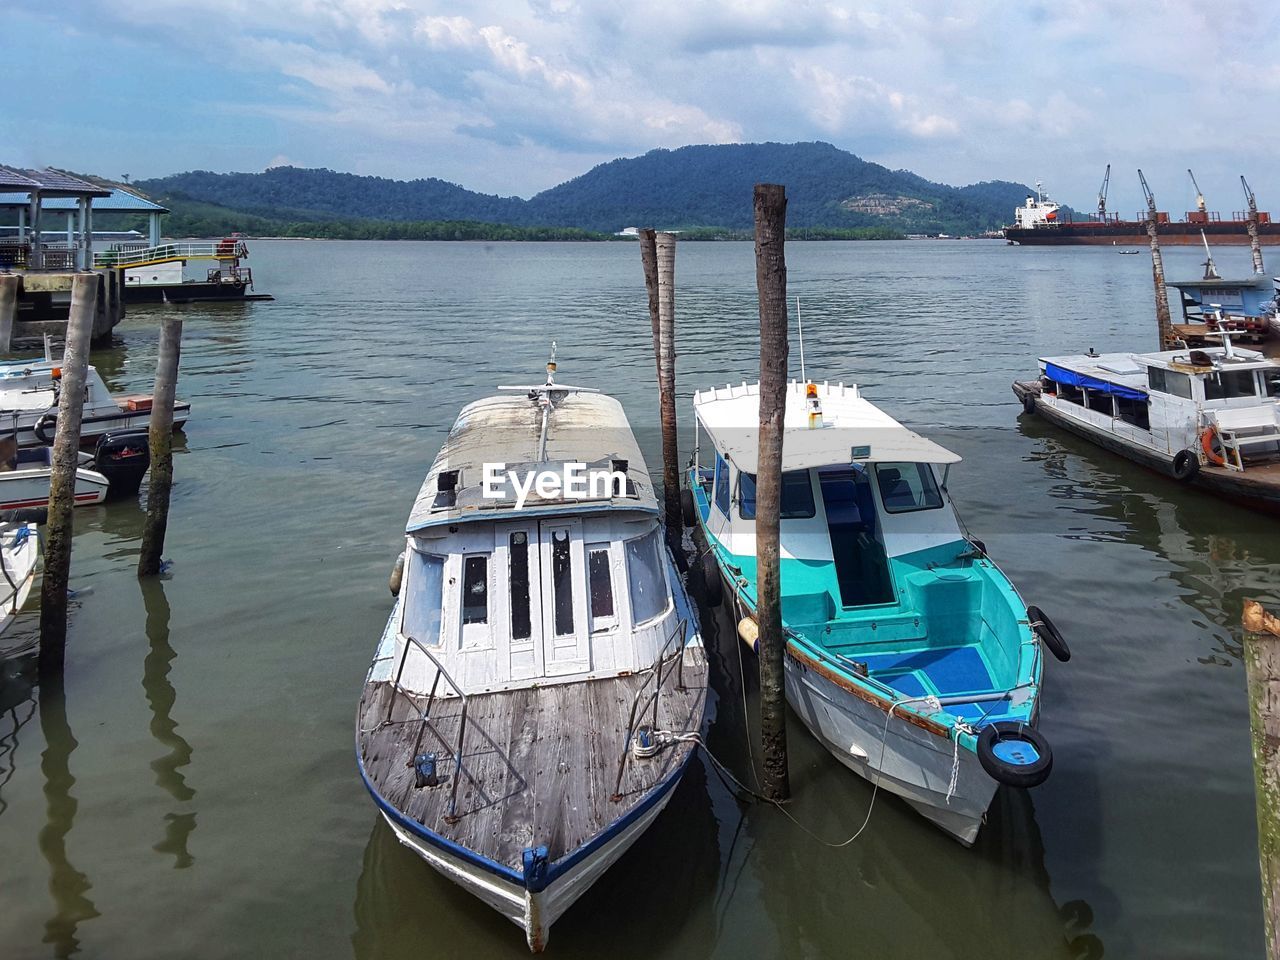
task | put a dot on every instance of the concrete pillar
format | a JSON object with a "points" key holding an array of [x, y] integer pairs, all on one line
{"points": [[36, 260], [153, 233]]}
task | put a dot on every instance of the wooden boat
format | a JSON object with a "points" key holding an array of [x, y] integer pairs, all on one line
{"points": [[533, 698], [19, 551], [1208, 418], [29, 404], [909, 654]]}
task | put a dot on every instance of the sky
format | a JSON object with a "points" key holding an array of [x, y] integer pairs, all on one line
{"points": [[515, 96]]}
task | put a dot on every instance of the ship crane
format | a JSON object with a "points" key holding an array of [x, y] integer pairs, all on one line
{"points": [[1146, 192], [1199, 195], [1102, 195]]}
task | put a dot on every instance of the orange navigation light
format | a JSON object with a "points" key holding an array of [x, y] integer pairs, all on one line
{"points": [[57, 373], [814, 406]]}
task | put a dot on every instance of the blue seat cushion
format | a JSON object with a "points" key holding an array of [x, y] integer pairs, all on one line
{"points": [[948, 669]]}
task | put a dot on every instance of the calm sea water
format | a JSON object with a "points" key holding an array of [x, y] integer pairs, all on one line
{"points": [[195, 794]]}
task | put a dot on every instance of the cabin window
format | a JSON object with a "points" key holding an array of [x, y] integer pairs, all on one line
{"points": [[601, 586], [475, 588], [1070, 393], [521, 618], [1169, 381], [722, 485], [797, 496], [1099, 402], [1230, 385], [423, 597], [1137, 412], [645, 579], [905, 487], [561, 583], [1272, 382]]}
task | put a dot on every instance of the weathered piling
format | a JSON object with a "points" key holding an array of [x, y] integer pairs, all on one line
{"points": [[1163, 322], [161, 441], [8, 309], [649, 260], [62, 481], [1262, 668], [665, 244], [1251, 224], [771, 285]]}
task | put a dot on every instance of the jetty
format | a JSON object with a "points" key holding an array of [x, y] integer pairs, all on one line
{"points": [[36, 273]]}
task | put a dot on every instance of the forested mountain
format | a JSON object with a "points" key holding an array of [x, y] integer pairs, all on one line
{"points": [[697, 186]]}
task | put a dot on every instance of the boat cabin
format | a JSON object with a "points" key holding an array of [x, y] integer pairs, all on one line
{"points": [[1224, 401], [533, 552]]}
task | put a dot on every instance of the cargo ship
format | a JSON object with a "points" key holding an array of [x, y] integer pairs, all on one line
{"points": [[1043, 222]]}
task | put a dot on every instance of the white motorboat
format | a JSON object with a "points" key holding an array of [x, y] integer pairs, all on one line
{"points": [[29, 404], [537, 690], [114, 469], [19, 551]]}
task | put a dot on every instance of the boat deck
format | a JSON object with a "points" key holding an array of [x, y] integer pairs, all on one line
{"points": [[540, 763]]}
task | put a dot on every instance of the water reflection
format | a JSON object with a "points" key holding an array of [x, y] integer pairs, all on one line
{"points": [[17, 707], [68, 886], [161, 698]]}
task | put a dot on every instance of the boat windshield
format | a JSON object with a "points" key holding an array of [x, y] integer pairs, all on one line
{"points": [[1230, 385], [905, 487], [1272, 380], [423, 597], [797, 496]]}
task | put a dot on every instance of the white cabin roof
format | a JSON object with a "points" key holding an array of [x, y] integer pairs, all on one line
{"points": [[1130, 369], [853, 429], [589, 428]]}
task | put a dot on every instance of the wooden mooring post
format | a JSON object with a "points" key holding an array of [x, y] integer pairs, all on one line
{"points": [[160, 437], [62, 482], [1262, 668], [8, 309], [649, 260], [771, 284], [1163, 322], [665, 249]]}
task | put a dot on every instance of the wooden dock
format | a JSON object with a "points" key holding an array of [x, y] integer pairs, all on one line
{"points": [[539, 764]]}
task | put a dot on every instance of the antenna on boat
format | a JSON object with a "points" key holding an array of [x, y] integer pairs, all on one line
{"points": [[551, 365], [800, 324], [1227, 352], [48, 348]]}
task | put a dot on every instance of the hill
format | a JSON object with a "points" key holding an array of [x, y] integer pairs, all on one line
{"points": [[691, 187]]}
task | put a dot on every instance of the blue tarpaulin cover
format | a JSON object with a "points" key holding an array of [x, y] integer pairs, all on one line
{"points": [[1070, 377]]}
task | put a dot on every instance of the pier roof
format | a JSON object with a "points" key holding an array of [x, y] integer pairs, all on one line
{"points": [[119, 201], [49, 183]]}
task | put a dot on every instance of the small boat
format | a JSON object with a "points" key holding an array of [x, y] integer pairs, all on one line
{"points": [[1207, 417], [114, 469], [909, 654], [537, 691], [19, 550], [1129, 253], [1246, 306], [29, 404]]}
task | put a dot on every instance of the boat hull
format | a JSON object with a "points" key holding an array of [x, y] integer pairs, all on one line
{"points": [[893, 753], [1257, 487], [534, 911], [28, 487], [94, 426], [1131, 233], [20, 573], [199, 291]]}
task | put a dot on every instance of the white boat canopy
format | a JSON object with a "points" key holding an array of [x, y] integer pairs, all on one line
{"points": [[578, 428], [853, 430]]}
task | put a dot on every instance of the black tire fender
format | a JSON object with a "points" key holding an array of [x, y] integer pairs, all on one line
{"points": [[1049, 635], [1186, 464], [46, 427], [712, 587], [1028, 403], [1014, 753], [688, 511]]}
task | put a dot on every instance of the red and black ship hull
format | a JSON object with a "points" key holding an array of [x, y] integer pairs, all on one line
{"points": [[1133, 232]]}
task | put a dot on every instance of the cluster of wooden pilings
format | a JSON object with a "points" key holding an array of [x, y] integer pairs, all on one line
{"points": [[85, 290]]}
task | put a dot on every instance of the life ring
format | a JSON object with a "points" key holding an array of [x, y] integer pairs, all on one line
{"points": [[1207, 438], [688, 512], [46, 428], [1028, 403], [1049, 635], [1014, 753], [1186, 464], [712, 588]]}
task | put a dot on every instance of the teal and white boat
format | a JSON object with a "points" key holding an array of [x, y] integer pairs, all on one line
{"points": [[910, 655]]}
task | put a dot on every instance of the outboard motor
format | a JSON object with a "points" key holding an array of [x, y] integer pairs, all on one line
{"points": [[122, 457]]}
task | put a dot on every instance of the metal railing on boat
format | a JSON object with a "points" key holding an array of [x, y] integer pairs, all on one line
{"points": [[131, 255], [425, 712]]}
